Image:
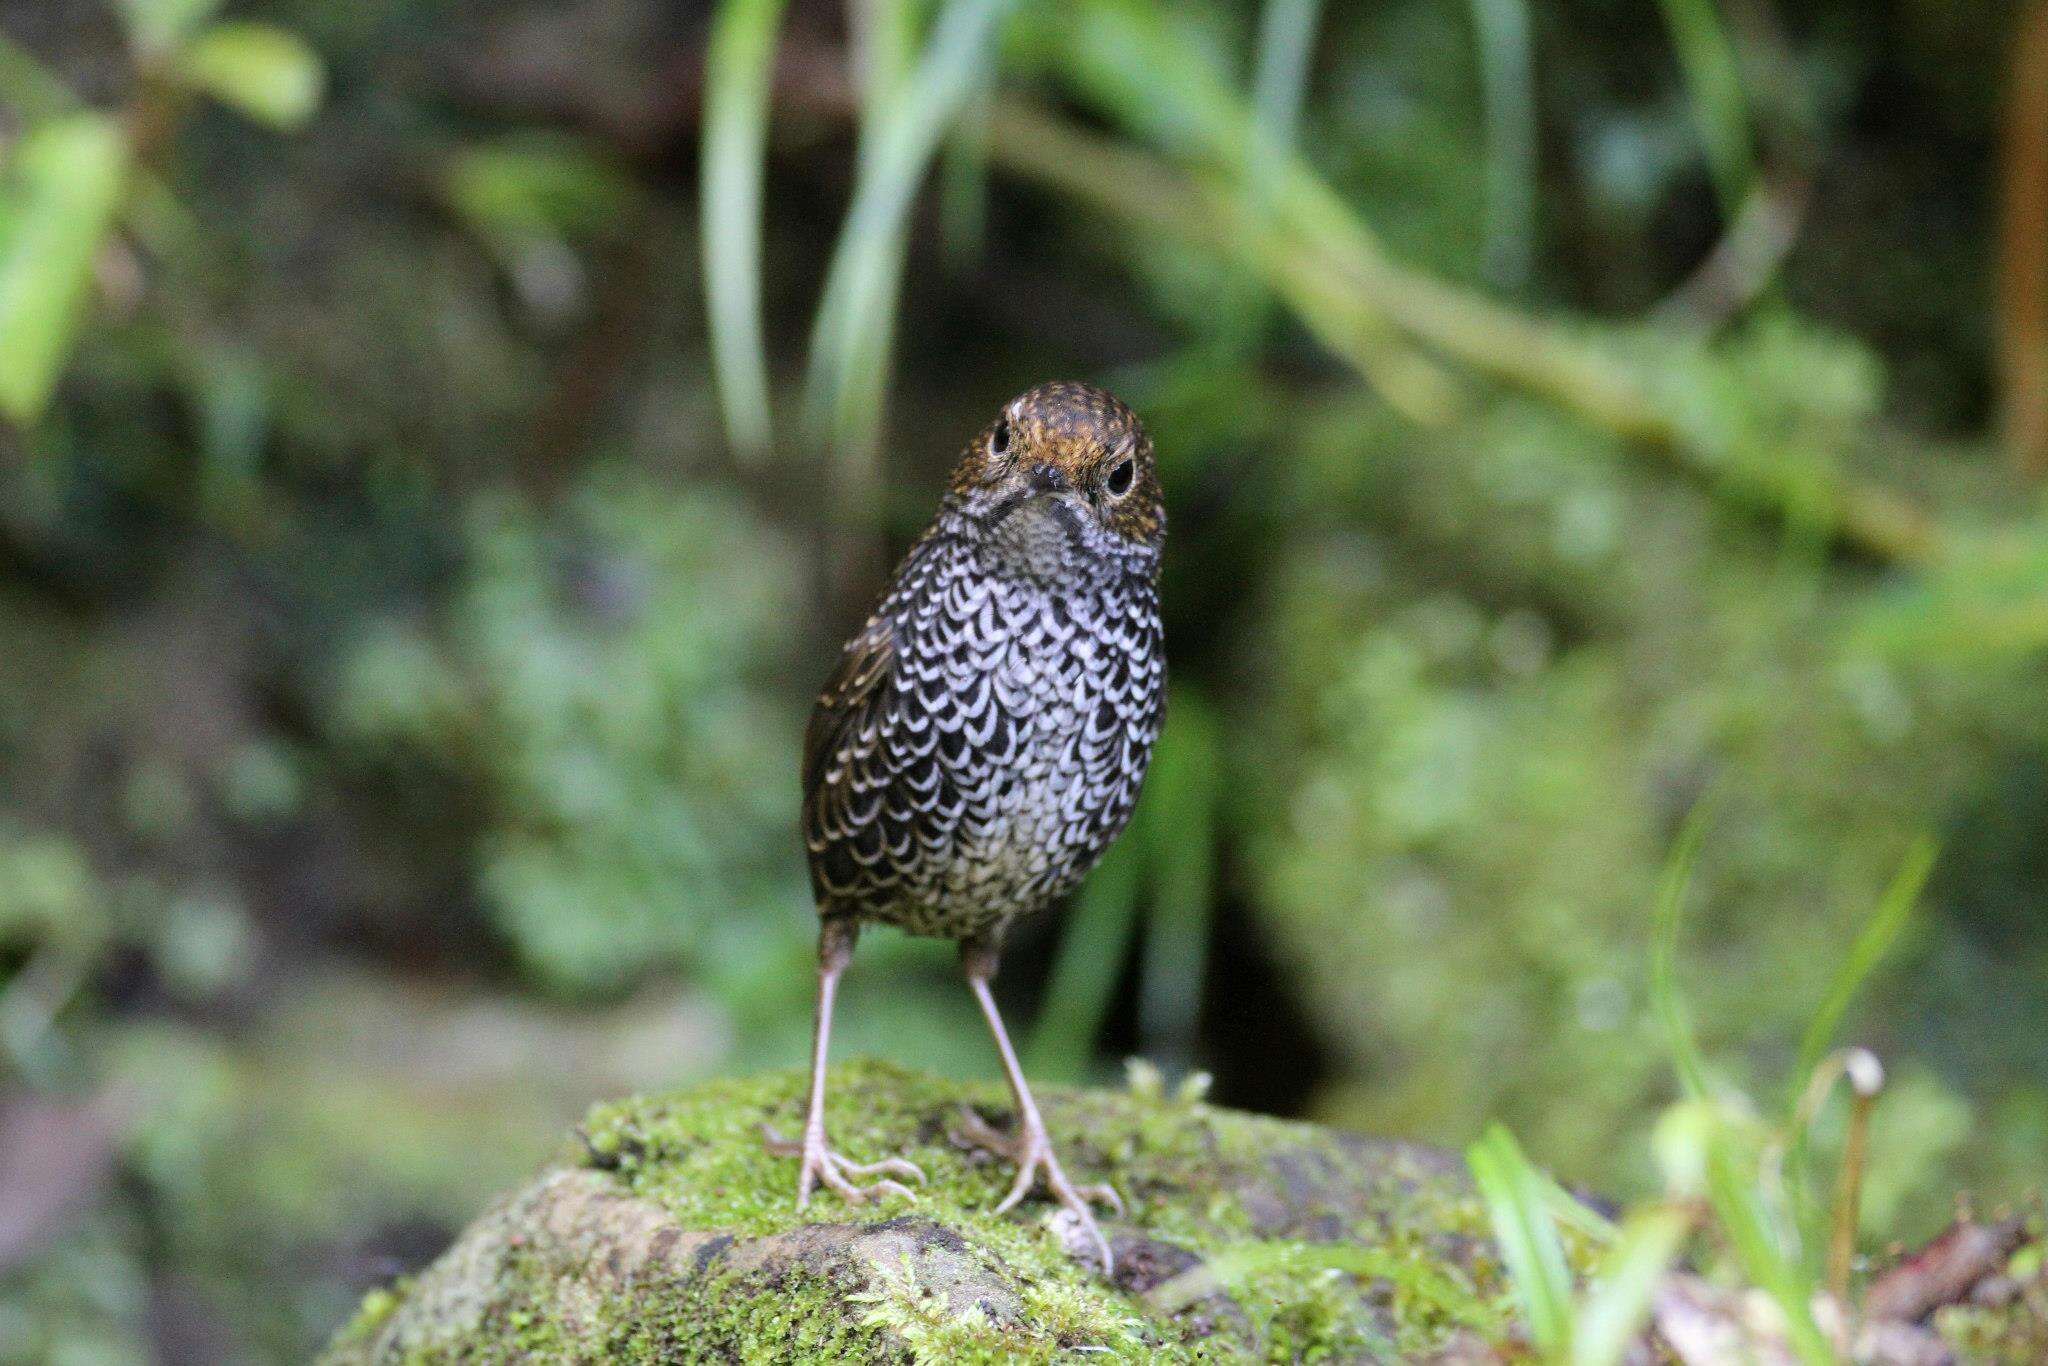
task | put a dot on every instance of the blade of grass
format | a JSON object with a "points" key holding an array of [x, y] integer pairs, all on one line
{"points": [[1735, 1192], [1713, 84], [1527, 1236], [1286, 42], [1574, 1213], [1872, 944], [1094, 945], [847, 371], [737, 65], [963, 187], [1287, 31], [1616, 1305], [1184, 779], [1816, 1071], [1664, 927], [1508, 86]]}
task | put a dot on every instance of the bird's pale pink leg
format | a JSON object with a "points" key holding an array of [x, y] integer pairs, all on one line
{"points": [[1031, 1149], [820, 1163]]}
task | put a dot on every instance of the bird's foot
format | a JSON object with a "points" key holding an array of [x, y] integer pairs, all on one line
{"points": [[822, 1165], [1031, 1150]]}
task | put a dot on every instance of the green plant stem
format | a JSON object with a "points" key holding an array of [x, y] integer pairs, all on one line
{"points": [[1849, 1194], [1507, 80], [1713, 83]]}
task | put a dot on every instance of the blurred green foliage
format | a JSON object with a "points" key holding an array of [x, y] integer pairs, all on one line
{"points": [[603, 689], [401, 672]]}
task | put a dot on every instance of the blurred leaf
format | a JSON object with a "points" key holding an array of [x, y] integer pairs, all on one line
{"points": [[158, 26], [529, 197], [537, 184], [736, 70], [231, 393], [28, 88], [1522, 1225], [61, 190], [260, 69]]}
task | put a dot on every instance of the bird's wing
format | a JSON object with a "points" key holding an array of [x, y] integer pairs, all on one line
{"points": [[856, 690]]}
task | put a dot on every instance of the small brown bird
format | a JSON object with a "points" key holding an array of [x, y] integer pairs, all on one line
{"points": [[984, 736]]}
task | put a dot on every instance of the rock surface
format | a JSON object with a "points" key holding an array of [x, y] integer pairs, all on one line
{"points": [[666, 1234]]}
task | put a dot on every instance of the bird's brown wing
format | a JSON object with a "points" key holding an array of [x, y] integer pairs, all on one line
{"points": [[840, 748], [856, 687]]}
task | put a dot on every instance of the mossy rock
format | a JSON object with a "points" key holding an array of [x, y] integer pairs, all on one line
{"points": [[667, 1234]]}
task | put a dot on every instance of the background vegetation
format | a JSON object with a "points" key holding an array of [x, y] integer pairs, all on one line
{"points": [[443, 445]]}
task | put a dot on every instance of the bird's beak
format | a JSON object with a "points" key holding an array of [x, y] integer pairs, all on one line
{"points": [[1045, 480]]}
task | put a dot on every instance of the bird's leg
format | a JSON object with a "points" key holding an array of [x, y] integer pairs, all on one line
{"points": [[820, 1163], [1031, 1148]]}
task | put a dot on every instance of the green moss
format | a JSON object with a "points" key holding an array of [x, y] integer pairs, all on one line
{"points": [[371, 1314], [1315, 1244]]}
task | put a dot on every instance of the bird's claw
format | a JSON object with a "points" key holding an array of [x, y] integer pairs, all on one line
{"points": [[1032, 1151], [822, 1165]]}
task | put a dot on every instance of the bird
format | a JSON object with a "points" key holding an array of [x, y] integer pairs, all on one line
{"points": [[984, 736]]}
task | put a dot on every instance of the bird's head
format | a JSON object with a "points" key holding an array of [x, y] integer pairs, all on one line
{"points": [[1065, 469]]}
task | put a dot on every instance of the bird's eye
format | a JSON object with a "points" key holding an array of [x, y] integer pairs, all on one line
{"points": [[999, 439], [1119, 481]]}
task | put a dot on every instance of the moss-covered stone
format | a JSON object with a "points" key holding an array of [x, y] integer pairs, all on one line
{"points": [[666, 1233]]}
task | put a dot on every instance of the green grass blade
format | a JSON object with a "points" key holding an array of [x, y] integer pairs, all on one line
{"points": [[1287, 30], [1870, 948], [1713, 83], [963, 187], [1618, 1302], [1665, 922], [1286, 42], [1508, 84], [1094, 944], [847, 371], [1183, 789], [1735, 1191], [738, 62], [1528, 1237]]}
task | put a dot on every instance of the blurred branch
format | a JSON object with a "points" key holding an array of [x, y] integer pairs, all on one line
{"points": [[1320, 248], [1744, 261], [2023, 249]]}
